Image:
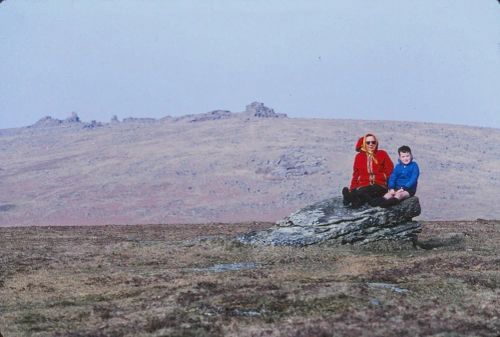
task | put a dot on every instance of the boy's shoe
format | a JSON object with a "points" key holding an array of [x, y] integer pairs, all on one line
{"points": [[347, 196]]}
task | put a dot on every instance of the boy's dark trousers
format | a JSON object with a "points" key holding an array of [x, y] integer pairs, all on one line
{"points": [[366, 194]]}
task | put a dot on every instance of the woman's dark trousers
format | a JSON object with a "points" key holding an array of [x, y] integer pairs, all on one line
{"points": [[365, 194]]}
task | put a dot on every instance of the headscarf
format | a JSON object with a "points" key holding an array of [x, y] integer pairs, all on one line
{"points": [[361, 147], [370, 155]]}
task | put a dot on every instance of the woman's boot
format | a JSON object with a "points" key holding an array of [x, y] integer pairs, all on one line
{"points": [[347, 196]]}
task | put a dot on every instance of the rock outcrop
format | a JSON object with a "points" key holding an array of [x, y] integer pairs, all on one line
{"points": [[73, 119], [46, 122], [331, 221], [258, 109], [140, 120], [295, 162], [211, 116], [93, 124]]}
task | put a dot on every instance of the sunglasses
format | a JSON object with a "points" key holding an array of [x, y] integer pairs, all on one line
{"points": [[369, 142]]}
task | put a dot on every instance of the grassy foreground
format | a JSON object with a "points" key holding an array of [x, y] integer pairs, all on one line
{"points": [[193, 280]]}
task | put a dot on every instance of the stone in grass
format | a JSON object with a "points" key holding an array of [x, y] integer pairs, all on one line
{"points": [[329, 221], [444, 241]]}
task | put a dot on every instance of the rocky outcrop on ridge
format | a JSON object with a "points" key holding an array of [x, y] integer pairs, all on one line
{"points": [[331, 221], [208, 116], [255, 109], [138, 120], [46, 122], [73, 120], [258, 109], [93, 124], [294, 162]]}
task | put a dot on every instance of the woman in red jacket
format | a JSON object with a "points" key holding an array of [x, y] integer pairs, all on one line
{"points": [[372, 167]]}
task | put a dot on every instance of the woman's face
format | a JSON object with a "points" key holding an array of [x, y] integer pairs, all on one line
{"points": [[371, 143]]}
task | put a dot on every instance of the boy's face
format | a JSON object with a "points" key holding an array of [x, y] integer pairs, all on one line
{"points": [[405, 157]]}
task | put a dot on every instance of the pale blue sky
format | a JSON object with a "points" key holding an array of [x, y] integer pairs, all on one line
{"points": [[425, 60]]}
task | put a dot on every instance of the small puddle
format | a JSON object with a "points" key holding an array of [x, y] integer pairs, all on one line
{"points": [[389, 286], [213, 311], [245, 312], [219, 268]]}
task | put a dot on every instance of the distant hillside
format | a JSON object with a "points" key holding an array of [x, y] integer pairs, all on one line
{"points": [[229, 167]]}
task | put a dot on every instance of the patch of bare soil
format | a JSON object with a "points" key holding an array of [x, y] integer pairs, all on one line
{"points": [[194, 280]]}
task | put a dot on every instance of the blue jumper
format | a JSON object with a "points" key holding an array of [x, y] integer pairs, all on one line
{"points": [[404, 176]]}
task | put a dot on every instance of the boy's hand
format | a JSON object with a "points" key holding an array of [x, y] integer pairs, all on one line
{"points": [[391, 191]]}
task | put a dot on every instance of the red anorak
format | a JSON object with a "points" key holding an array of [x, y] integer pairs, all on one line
{"points": [[370, 168]]}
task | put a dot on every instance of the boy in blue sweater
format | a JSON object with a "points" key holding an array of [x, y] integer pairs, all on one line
{"points": [[403, 180]]}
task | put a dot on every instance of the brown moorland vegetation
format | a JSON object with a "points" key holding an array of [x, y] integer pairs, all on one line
{"points": [[195, 280]]}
